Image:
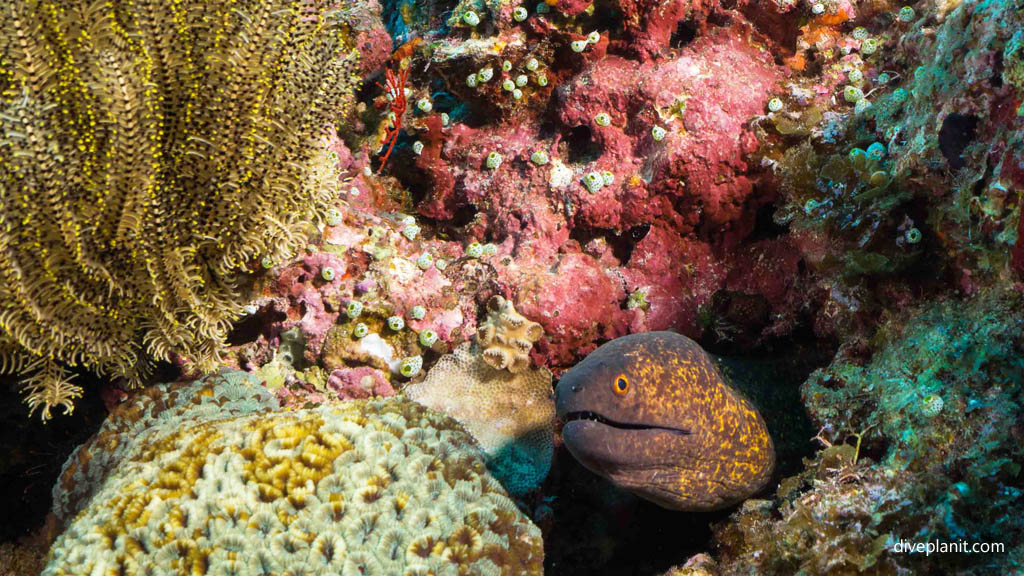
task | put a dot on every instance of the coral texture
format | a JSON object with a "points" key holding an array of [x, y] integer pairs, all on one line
{"points": [[510, 414], [929, 456], [506, 337], [208, 478], [150, 153]]}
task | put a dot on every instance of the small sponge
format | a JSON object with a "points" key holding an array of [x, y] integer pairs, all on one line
{"points": [[507, 337], [510, 414]]}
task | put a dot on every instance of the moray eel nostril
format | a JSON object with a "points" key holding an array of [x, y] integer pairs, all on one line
{"points": [[651, 413]]}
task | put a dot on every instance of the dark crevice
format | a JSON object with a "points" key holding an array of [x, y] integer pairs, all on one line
{"points": [[685, 32], [997, 71], [582, 147], [249, 328], [621, 244], [955, 135], [765, 226]]}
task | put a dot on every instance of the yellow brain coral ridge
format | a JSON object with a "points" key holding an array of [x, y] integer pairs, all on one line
{"points": [[149, 151], [511, 415], [366, 487], [506, 337]]}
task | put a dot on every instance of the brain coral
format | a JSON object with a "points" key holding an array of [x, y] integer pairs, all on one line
{"points": [[206, 478], [511, 415], [506, 336]]}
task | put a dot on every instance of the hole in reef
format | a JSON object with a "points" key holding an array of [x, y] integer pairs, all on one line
{"points": [[621, 244], [685, 32], [957, 131], [248, 329], [997, 71], [765, 226], [582, 147]]}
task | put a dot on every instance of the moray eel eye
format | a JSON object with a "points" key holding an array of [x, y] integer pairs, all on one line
{"points": [[621, 385]]}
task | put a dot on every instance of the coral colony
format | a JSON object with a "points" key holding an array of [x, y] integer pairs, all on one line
{"points": [[569, 287]]}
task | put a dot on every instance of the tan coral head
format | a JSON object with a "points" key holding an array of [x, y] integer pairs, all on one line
{"points": [[506, 336]]}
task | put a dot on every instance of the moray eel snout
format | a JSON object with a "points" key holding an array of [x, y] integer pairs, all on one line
{"points": [[651, 413]]}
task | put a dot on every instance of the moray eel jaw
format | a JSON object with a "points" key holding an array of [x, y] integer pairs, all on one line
{"points": [[598, 418], [651, 413]]}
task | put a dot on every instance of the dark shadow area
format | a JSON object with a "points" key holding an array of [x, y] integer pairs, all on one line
{"points": [[622, 245], [598, 529], [955, 135], [33, 452], [582, 147], [685, 32]]}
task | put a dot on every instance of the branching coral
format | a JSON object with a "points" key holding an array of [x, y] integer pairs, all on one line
{"points": [[506, 337], [148, 151]]}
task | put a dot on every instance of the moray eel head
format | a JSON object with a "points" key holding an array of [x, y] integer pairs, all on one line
{"points": [[651, 413]]}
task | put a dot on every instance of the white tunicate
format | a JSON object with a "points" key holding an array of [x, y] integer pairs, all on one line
{"points": [[593, 182], [561, 175], [508, 85], [506, 65], [521, 80], [658, 133], [471, 80], [517, 94], [542, 80], [485, 74], [578, 45], [424, 105], [417, 147], [470, 18], [519, 14], [602, 119], [594, 37], [539, 157], [445, 119], [775, 105], [493, 160], [608, 178], [532, 64]]}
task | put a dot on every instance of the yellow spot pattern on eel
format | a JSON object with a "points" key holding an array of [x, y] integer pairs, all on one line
{"points": [[680, 436]]}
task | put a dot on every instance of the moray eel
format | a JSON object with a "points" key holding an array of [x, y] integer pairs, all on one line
{"points": [[651, 413]]}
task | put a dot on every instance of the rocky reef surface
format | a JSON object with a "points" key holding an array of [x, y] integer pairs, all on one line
{"points": [[831, 187]]}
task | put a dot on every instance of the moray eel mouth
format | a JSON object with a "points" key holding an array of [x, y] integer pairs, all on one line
{"points": [[588, 416]]}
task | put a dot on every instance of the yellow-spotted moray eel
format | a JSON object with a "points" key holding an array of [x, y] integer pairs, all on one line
{"points": [[651, 413]]}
